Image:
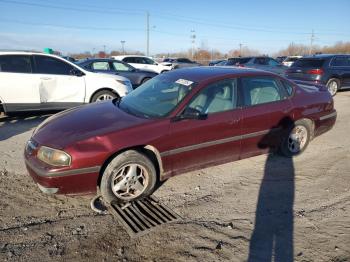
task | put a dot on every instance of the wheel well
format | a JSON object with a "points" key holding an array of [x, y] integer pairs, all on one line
{"points": [[334, 77], [149, 151], [312, 126], [102, 89]]}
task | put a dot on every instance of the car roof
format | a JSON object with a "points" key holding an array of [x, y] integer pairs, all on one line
{"points": [[99, 59], [123, 56], [203, 73], [320, 56]]}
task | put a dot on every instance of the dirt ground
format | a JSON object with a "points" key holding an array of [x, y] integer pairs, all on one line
{"points": [[258, 208]]}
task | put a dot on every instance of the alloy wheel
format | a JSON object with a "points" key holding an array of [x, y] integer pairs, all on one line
{"points": [[104, 97], [297, 139], [129, 181], [333, 87]]}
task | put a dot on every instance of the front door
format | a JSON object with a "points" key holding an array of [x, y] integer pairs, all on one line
{"points": [[209, 141], [57, 85], [266, 114]]}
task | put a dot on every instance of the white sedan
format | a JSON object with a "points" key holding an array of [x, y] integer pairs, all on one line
{"points": [[144, 63], [37, 81]]}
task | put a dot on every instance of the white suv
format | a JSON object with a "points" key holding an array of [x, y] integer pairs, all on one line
{"points": [[37, 81], [144, 63]]}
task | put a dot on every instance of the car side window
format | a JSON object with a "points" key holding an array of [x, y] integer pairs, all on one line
{"points": [[50, 65], [121, 67], [272, 62], [15, 64], [129, 60], [103, 65], [260, 61], [149, 61], [260, 90], [139, 60], [341, 61], [289, 88], [217, 97]]}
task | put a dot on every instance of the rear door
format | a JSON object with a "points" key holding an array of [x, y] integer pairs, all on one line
{"points": [[216, 139], [102, 67], [19, 89], [57, 85], [266, 113], [340, 66], [127, 71]]}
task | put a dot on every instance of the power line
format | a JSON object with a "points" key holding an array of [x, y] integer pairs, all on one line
{"points": [[69, 27], [175, 17], [104, 11]]}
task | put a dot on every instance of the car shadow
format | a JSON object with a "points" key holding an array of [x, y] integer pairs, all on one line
{"points": [[272, 237], [19, 123]]}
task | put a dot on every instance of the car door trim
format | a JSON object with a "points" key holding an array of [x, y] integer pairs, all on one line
{"points": [[215, 142]]}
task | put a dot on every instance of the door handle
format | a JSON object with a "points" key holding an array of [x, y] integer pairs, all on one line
{"points": [[45, 78]]}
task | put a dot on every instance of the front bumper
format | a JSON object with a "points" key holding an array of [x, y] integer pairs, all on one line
{"points": [[69, 182]]}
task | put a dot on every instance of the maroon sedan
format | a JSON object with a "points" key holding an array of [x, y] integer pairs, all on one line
{"points": [[180, 121]]}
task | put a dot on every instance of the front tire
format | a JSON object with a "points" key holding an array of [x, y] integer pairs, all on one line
{"points": [[103, 95], [333, 85], [296, 139], [129, 176]]}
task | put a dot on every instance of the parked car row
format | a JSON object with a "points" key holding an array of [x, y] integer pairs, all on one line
{"points": [[330, 70]]}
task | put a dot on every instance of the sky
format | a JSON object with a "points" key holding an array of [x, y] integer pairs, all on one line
{"points": [[73, 26]]}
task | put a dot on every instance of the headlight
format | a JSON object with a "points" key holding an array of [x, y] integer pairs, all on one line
{"points": [[54, 157]]}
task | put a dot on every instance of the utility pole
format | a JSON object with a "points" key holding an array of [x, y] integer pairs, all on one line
{"points": [[147, 33], [104, 49], [123, 42], [312, 41], [240, 49], [193, 40]]}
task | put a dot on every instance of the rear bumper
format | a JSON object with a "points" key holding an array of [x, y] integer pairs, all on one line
{"points": [[325, 123]]}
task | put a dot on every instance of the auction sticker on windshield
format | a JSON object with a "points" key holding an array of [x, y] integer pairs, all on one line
{"points": [[184, 82]]}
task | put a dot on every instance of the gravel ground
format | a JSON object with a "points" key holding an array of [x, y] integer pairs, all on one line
{"points": [[257, 208]]}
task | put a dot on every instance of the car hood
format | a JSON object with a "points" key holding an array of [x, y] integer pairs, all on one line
{"points": [[83, 122]]}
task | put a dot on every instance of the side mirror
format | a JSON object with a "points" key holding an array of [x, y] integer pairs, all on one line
{"points": [[191, 113], [76, 72]]}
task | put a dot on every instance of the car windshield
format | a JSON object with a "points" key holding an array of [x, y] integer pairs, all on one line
{"points": [[309, 63], [157, 97]]}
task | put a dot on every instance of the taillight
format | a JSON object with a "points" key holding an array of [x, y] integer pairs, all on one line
{"points": [[315, 72], [241, 65]]}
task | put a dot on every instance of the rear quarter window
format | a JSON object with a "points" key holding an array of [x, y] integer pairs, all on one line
{"points": [[309, 63], [15, 64], [288, 87], [341, 61]]}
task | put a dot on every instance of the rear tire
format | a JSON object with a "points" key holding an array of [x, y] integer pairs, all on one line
{"points": [[128, 177], [333, 86], [145, 80], [103, 95], [296, 139]]}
